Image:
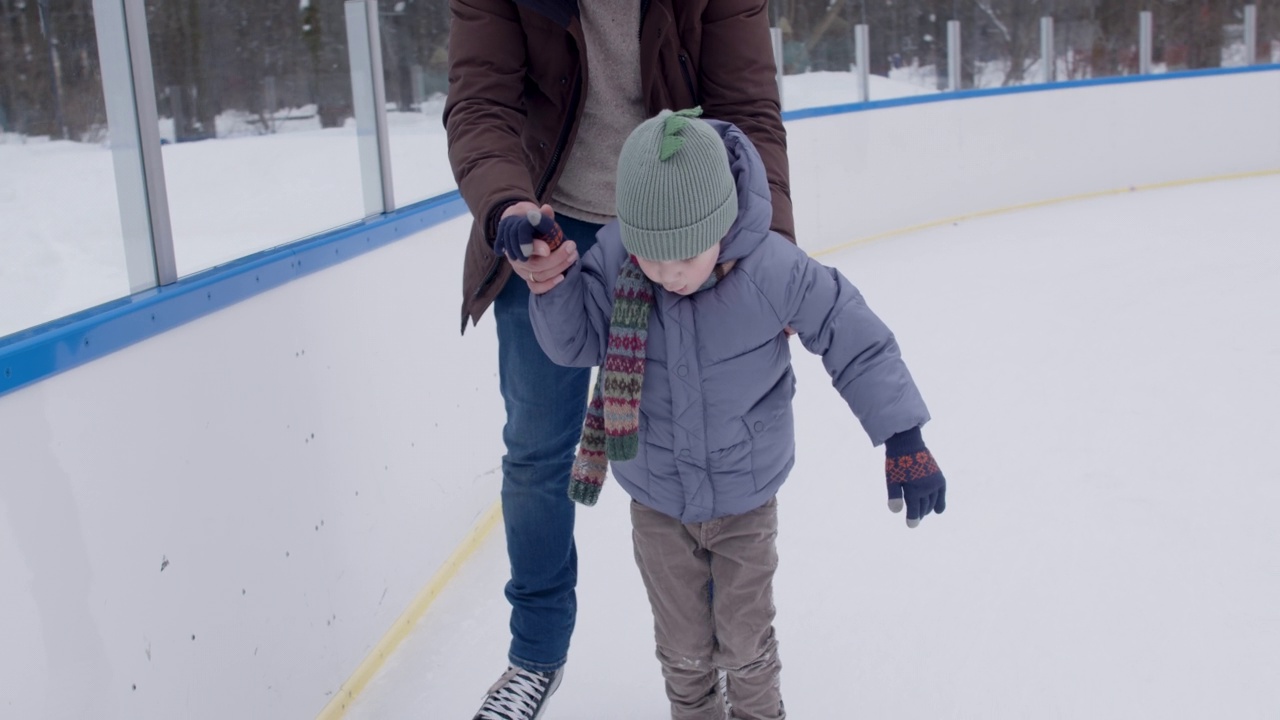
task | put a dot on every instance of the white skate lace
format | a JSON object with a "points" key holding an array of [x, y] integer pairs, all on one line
{"points": [[518, 695]]}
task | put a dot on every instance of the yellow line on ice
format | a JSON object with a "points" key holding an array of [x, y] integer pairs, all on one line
{"points": [[351, 689], [1037, 204]]}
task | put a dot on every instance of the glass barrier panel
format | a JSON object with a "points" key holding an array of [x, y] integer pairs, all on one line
{"points": [[257, 124], [996, 46], [917, 48], [63, 248], [911, 40], [1233, 41], [1001, 43], [1269, 33], [819, 51], [1111, 47], [1192, 35], [415, 43]]}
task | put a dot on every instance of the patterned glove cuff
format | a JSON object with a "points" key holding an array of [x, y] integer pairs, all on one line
{"points": [[910, 468]]}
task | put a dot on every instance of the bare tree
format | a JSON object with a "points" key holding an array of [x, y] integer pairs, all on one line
{"points": [[1191, 32], [8, 69], [1017, 32]]}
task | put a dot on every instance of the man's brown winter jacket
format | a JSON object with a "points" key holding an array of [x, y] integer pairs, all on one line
{"points": [[517, 74]]}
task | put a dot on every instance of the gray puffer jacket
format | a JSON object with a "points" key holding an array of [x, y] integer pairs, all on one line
{"points": [[717, 436]]}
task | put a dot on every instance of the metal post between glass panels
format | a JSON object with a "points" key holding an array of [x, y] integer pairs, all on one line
{"points": [[862, 56], [1145, 37], [1048, 56], [953, 55], [1250, 34], [364, 45], [128, 88]]}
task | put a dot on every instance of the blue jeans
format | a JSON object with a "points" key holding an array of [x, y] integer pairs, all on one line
{"points": [[545, 406]]}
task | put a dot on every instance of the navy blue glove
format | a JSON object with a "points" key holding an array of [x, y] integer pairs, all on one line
{"points": [[912, 475], [516, 234]]}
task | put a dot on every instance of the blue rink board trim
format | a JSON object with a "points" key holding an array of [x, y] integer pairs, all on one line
{"points": [[32, 355], [40, 352], [824, 111]]}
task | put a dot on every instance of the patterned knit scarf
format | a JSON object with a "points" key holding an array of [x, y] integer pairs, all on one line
{"points": [[612, 427]]}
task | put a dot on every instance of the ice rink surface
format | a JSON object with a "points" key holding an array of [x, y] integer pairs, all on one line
{"points": [[1103, 380]]}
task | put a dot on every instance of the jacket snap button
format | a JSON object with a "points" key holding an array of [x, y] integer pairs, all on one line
{"points": [[564, 80], [684, 453], [759, 426], [682, 371]]}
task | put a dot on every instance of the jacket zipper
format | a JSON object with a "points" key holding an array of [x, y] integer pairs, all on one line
{"points": [[488, 278], [546, 176], [684, 59], [644, 9], [561, 141], [688, 77]]}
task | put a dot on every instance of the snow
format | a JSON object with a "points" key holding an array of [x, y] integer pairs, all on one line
{"points": [[817, 89], [1101, 376]]}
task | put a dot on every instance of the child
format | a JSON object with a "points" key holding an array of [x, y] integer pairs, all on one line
{"points": [[684, 302]]}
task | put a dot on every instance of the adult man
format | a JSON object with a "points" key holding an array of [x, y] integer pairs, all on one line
{"points": [[542, 95]]}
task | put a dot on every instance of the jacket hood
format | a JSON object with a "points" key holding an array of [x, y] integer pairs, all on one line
{"points": [[755, 202]]}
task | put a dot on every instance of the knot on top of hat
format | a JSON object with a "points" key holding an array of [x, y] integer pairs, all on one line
{"points": [[671, 127]]}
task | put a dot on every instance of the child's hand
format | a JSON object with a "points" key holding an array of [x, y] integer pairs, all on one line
{"points": [[521, 225], [913, 478], [535, 246]]}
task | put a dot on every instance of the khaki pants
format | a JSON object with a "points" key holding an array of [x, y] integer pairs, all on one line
{"points": [[711, 589]]}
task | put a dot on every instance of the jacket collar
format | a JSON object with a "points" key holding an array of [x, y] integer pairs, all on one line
{"points": [[561, 12]]}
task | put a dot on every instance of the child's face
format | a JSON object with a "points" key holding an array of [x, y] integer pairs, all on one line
{"points": [[682, 277]]}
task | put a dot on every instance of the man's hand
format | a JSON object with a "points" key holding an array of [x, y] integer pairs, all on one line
{"points": [[524, 246]]}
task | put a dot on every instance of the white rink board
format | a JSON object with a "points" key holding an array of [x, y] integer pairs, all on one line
{"points": [[887, 169], [305, 461]]}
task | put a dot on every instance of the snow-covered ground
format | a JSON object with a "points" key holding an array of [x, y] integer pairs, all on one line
{"points": [[1102, 380]]}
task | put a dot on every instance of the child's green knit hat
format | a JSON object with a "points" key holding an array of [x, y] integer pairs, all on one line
{"points": [[676, 193]]}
